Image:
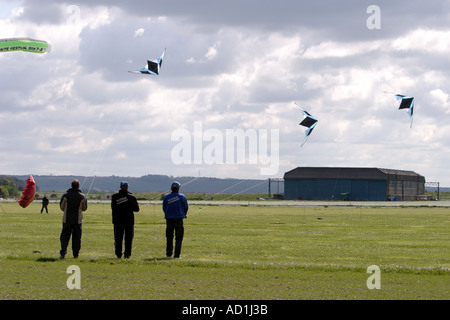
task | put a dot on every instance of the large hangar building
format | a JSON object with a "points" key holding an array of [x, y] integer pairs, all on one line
{"points": [[356, 184]]}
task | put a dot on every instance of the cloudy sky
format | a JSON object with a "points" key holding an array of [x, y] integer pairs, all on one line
{"points": [[229, 66]]}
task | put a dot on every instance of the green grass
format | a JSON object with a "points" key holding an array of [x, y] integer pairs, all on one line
{"points": [[233, 252]]}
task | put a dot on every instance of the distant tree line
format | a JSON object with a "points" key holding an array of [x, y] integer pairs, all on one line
{"points": [[11, 187]]}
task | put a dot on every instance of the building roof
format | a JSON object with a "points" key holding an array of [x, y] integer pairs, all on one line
{"points": [[351, 173]]}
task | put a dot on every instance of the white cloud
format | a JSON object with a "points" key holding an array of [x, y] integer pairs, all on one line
{"points": [[98, 18], [441, 99], [212, 51], [430, 41], [139, 32]]}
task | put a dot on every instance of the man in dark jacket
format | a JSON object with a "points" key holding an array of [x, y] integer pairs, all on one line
{"points": [[45, 202], [72, 203], [175, 209], [123, 205]]}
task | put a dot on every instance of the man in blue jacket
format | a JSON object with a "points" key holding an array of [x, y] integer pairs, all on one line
{"points": [[175, 209]]}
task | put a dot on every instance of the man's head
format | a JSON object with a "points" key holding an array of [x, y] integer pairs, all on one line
{"points": [[75, 184], [175, 186], [124, 185]]}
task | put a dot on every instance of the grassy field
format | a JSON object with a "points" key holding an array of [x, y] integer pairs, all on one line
{"points": [[233, 252]]}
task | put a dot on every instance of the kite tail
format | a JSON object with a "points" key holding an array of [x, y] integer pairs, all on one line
{"points": [[304, 141]]}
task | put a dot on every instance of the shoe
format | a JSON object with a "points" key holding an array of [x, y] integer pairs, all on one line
{"points": [[61, 257]]}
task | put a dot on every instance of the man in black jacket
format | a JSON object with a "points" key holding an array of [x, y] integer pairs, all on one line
{"points": [[45, 202], [72, 203], [123, 205]]}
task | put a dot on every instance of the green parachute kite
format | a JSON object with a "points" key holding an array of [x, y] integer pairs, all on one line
{"points": [[24, 44]]}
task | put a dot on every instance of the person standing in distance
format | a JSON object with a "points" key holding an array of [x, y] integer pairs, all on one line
{"points": [[72, 203], [123, 205], [45, 202], [175, 209]]}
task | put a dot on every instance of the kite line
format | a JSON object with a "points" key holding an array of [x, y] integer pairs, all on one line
{"points": [[101, 154], [245, 189], [220, 192], [152, 68]]}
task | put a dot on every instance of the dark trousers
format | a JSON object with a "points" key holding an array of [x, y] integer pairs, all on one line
{"points": [[74, 230], [121, 230], [174, 225]]}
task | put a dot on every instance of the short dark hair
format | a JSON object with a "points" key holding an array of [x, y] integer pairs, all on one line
{"points": [[75, 184]]}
